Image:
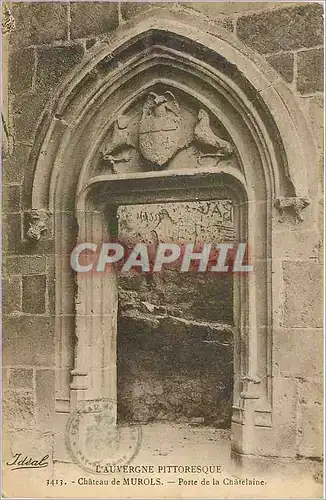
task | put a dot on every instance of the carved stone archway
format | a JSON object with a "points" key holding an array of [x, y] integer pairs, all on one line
{"points": [[249, 106]]}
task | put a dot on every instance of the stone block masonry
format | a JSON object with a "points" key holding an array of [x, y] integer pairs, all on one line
{"points": [[49, 41]]}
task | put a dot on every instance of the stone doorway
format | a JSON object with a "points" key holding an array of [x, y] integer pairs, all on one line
{"points": [[213, 80], [175, 329]]}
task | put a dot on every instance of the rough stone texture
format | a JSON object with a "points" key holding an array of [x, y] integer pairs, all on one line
{"points": [[282, 29], [310, 431], [5, 379], [54, 63], [310, 392], [21, 378], [12, 295], [174, 352], [316, 118], [28, 341], [283, 63], [34, 290], [173, 369], [303, 294], [131, 9], [45, 395], [93, 18], [21, 70], [288, 346], [60, 452], [310, 71], [15, 227], [13, 167], [296, 245], [310, 417], [229, 8], [284, 415], [19, 409], [39, 23], [27, 112], [12, 199], [27, 264]]}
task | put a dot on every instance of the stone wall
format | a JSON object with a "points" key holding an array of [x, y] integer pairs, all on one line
{"points": [[47, 42]]}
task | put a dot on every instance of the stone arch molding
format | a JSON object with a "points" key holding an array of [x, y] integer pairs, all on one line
{"points": [[210, 76], [245, 78]]}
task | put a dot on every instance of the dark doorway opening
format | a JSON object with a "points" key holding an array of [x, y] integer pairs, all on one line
{"points": [[175, 330]]}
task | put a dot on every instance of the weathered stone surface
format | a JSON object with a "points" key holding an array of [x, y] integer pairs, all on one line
{"points": [[93, 18], [34, 291], [5, 378], [282, 29], [28, 340], [162, 373], [19, 409], [12, 295], [302, 294], [296, 245], [12, 228], [27, 112], [60, 452], [21, 378], [131, 9], [12, 199], [45, 396], [310, 392], [21, 70], [316, 117], [54, 63], [284, 415], [228, 8], [13, 167], [288, 349], [283, 63], [39, 23], [310, 431], [174, 369], [25, 264], [310, 76], [190, 295]]}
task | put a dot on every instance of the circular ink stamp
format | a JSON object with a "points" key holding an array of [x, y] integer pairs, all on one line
{"points": [[96, 442]]}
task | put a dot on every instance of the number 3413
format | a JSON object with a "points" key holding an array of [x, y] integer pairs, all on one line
{"points": [[55, 482]]}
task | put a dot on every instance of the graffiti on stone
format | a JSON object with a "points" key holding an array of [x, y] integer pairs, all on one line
{"points": [[199, 221]]}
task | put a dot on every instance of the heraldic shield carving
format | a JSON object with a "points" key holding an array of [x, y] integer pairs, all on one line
{"points": [[159, 128], [163, 133]]}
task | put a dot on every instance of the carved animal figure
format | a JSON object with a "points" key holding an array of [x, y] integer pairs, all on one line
{"points": [[160, 105], [122, 137], [204, 135]]}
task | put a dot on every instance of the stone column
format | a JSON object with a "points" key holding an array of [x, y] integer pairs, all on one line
{"points": [[94, 373]]}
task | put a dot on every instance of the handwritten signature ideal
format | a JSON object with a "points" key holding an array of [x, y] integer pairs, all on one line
{"points": [[24, 462]]}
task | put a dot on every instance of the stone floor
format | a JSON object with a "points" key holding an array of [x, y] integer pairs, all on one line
{"points": [[168, 443]]}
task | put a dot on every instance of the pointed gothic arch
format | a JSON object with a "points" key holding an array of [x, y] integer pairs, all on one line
{"points": [[252, 107]]}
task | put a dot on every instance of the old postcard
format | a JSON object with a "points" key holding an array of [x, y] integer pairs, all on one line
{"points": [[162, 201]]}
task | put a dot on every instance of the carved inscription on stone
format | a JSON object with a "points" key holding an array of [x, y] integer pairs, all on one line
{"points": [[202, 221]]}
